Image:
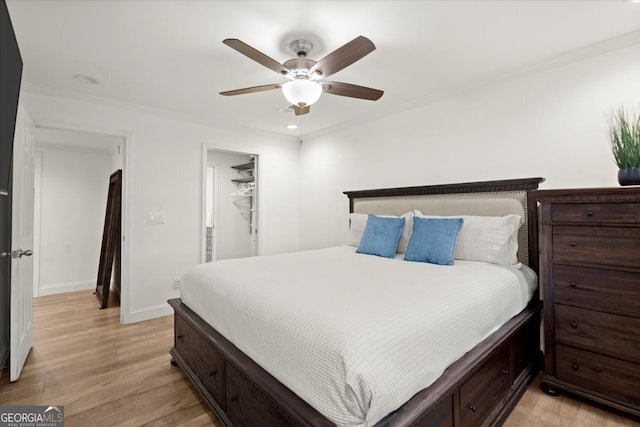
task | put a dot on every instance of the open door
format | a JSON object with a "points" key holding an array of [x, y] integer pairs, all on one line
{"points": [[22, 192]]}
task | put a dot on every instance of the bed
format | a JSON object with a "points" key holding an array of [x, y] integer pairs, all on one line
{"points": [[251, 371]]}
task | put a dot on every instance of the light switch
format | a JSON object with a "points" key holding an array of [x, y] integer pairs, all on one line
{"points": [[155, 218]]}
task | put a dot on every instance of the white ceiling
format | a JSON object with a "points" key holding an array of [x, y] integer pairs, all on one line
{"points": [[169, 55]]}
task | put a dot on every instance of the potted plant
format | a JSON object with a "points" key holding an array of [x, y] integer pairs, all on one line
{"points": [[624, 136]]}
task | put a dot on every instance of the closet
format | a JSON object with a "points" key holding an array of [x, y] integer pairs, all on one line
{"points": [[231, 208], [245, 194]]}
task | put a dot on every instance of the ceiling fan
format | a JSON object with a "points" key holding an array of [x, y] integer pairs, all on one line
{"points": [[304, 85]]}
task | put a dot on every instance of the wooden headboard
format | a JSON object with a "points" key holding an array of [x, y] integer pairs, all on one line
{"points": [[488, 198]]}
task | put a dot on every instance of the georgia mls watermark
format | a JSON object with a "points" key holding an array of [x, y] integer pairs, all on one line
{"points": [[31, 416]]}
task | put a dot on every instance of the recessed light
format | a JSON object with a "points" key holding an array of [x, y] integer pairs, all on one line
{"points": [[292, 126], [83, 78]]}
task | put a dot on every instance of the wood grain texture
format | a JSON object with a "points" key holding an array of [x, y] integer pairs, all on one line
{"points": [[138, 386], [611, 290], [605, 333], [537, 409], [601, 375], [611, 246], [103, 372], [476, 400], [466, 187], [590, 247]]}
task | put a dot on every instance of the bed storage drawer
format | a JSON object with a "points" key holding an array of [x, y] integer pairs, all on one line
{"points": [[207, 364], [613, 246], [609, 290], [483, 389], [249, 406], [602, 332], [593, 212], [616, 378], [440, 416]]}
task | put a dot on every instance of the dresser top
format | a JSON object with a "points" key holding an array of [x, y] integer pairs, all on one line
{"points": [[630, 194]]}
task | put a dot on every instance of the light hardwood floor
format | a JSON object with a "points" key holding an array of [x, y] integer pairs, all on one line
{"points": [[108, 374]]}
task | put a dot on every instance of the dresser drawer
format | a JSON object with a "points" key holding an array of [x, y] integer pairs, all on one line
{"points": [[593, 212], [607, 289], [597, 245], [479, 393], [609, 333], [616, 378], [207, 364]]}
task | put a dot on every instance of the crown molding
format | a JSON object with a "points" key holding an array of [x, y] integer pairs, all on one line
{"points": [[557, 61], [143, 109], [554, 62]]}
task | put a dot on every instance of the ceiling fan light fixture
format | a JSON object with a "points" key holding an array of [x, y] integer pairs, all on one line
{"points": [[302, 92], [303, 87]]}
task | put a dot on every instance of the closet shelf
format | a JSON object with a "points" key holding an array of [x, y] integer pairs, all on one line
{"points": [[244, 166], [246, 179]]}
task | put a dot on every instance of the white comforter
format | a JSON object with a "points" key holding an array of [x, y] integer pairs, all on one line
{"points": [[355, 335]]}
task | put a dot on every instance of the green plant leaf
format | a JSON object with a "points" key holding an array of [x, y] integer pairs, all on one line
{"points": [[624, 138]]}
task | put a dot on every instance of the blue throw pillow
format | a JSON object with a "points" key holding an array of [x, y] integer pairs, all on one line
{"points": [[433, 240], [381, 236]]}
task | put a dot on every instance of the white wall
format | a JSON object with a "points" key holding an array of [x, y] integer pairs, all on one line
{"points": [[163, 174], [74, 186], [550, 124], [232, 229]]}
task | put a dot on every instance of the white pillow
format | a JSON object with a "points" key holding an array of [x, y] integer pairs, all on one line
{"points": [[491, 239], [359, 222]]}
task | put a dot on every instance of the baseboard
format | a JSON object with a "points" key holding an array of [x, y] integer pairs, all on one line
{"points": [[147, 313], [60, 288]]}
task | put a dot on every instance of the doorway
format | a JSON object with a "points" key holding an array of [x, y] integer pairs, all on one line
{"points": [[230, 205], [71, 184]]}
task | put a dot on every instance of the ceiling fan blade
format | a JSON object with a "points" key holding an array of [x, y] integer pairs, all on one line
{"points": [[352, 91], [257, 56], [252, 89], [301, 110], [342, 57]]}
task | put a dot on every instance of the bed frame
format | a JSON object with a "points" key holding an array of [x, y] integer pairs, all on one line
{"points": [[481, 388]]}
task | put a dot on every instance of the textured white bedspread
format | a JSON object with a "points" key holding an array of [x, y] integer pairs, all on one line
{"points": [[355, 335]]}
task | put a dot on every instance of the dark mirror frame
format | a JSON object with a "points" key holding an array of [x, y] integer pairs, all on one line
{"points": [[110, 251]]}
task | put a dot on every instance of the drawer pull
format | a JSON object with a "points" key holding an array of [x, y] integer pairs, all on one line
{"points": [[473, 408], [574, 366], [179, 337], [573, 244], [574, 325], [213, 373], [589, 213], [234, 398], [505, 372], [573, 284]]}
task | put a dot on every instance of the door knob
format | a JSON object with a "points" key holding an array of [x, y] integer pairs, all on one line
{"points": [[19, 253]]}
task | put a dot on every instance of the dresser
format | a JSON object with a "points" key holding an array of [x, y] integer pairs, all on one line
{"points": [[590, 281]]}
